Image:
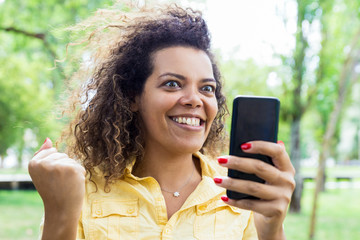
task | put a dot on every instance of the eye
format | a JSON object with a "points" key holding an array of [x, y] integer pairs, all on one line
{"points": [[172, 84], [208, 88]]}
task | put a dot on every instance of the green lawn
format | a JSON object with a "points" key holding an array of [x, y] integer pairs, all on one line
{"points": [[20, 215], [338, 216]]}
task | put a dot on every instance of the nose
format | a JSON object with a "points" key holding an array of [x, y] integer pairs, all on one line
{"points": [[191, 98]]}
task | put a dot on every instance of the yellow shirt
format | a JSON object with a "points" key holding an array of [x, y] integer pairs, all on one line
{"points": [[135, 209]]}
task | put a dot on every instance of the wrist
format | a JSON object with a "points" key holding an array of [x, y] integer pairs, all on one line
{"points": [[60, 225], [278, 234]]}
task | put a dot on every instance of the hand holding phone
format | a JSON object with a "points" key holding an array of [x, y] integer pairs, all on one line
{"points": [[253, 118]]}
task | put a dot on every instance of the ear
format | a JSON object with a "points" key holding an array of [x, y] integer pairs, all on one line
{"points": [[134, 106]]}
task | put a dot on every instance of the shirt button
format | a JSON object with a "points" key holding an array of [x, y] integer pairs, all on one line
{"points": [[130, 210], [98, 212], [167, 231], [203, 207]]}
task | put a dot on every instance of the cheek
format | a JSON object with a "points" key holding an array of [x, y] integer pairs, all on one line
{"points": [[154, 108], [212, 109]]}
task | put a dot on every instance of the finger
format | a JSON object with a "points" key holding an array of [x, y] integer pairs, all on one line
{"points": [[56, 156], [260, 190], [70, 163], [261, 169], [44, 153], [266, 208], [47, 144], [276, 151]]}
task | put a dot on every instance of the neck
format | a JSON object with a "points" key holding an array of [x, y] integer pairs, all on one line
{"points": [[171, 170]]}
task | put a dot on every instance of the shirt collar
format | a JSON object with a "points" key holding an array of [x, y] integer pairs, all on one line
{"points": [[209, 168]]}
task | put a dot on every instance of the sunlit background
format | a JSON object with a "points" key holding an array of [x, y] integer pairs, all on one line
{"points": [[305, 52]]}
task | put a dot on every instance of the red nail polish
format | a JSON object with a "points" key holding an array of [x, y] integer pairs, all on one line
{"points": [[245, 146], [225, 198], [218, 180], [281, 142], [222, 160], [45, 140]]}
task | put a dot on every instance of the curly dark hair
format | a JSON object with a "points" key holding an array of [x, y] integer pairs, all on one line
{"points": [[105, 132]]}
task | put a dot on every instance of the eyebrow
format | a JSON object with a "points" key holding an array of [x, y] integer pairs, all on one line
{"points": [[181, 77]]}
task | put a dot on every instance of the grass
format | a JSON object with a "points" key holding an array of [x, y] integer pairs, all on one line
{"points": [[338, 215], [20, 215], [337, 170], [13, 171]]}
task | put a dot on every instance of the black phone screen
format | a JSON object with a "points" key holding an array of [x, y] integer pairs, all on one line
{"points": [[253, 118]]}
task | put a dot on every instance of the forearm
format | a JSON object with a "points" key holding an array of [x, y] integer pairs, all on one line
{"points": [[270, 233], [59, 227]]}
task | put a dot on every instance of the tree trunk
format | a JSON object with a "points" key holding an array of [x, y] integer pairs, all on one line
{"points": [[20, 153], [295, 154], [347, 79], [297, 106], [2, 158]]}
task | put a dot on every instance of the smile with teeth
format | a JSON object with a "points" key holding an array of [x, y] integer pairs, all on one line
{"points": [[192, 121]]}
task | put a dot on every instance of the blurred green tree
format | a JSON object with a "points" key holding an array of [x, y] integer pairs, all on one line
{"points": [[30, 86]]}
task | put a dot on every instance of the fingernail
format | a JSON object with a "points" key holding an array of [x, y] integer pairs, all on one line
{"points": [[245, 146], [45, 140], [222, 160], [218, 180], [225, 198], [281, 142]]}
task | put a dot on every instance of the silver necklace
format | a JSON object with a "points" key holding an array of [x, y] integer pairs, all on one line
{"points": [[177, 193]]}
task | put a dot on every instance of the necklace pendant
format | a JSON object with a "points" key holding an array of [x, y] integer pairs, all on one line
{"points": [[176, 194]]}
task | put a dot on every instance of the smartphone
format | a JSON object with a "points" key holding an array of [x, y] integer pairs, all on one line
{"points": [[253, 118]]}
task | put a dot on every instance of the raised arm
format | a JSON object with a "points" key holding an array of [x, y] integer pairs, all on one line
{"points": [[60, 182]]}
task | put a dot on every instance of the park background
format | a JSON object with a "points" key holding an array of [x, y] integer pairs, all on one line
{"points": [[305, 52]]}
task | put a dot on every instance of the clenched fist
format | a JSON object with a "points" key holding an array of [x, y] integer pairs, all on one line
{"points": [[60, 182]]}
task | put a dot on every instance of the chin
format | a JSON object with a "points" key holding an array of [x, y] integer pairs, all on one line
{"points": [[189, 148]]}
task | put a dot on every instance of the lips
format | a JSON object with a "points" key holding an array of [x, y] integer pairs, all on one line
{"points": [[191, 121]]}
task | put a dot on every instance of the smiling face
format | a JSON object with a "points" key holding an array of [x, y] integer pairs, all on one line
{"points": [[178, 103]]}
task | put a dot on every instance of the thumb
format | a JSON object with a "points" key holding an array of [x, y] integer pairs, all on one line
{"points": [[47, 144]]}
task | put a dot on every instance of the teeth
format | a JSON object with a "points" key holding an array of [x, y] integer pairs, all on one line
{"points": [[188, 121]]}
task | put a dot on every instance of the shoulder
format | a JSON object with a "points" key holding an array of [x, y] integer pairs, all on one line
{"points": [[209, 166]]}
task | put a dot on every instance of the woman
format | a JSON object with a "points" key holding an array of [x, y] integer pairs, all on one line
{"points": [[152, 114]]}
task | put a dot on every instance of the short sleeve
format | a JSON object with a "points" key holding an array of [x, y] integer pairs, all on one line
{"points": [[250, 231], [80, 230]]}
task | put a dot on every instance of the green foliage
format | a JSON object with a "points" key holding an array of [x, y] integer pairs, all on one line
{"points": [[30, 86]]}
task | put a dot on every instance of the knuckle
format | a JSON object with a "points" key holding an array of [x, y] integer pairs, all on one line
{"points": [[287, 198], [32, 166], [260, 166], [246, 204], [233, 163], [278, 148], [278, 211], [292, 183], [288, 181], [293, 170], [63, 155], [254, 188], [278, 151], [229, 182]]}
